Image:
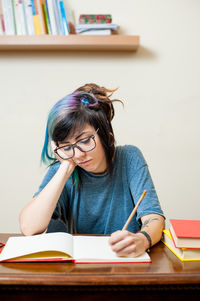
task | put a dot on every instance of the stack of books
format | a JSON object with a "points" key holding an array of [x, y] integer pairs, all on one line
{"points": [[183, 239], [92, 24], [97, 19], [35, 17]]}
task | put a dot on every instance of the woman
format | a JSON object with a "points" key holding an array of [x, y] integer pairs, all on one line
{"points": [[91, 186]]}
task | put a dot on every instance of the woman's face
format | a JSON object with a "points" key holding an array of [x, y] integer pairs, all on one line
{"points": [[93, 161]]}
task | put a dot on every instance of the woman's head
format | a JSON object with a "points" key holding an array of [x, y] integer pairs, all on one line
{"points": [[88, 105]]}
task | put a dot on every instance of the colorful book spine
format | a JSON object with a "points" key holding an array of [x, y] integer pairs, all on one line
{"points": [[41, 16], [17, 17], [29, 16], [25, 18], [14, 17], [36, 18], [2, 25], [1, 31], [22, 17], [48, 16], [1, 14], [49, 4], [61, 25], [64, 19], [46, 19], [8, 17], [57, 18], [97, 19]]}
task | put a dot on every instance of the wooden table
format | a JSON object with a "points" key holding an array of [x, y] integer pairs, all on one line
{"points": [[166, 278]]}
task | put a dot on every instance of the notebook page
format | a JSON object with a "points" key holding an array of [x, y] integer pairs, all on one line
{"points": [[98, 248], [23, 245]]}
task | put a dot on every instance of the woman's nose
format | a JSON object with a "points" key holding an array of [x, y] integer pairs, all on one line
{"points": [[78, 153]]}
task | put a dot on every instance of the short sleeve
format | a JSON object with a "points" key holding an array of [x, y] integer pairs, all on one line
{"points": [[140, 180]]}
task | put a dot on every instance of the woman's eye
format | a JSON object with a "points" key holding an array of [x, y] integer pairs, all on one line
{"points": [[67, 148], [85, 141]]}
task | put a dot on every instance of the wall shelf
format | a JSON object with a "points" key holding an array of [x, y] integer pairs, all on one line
{"points": [[68, 43]]}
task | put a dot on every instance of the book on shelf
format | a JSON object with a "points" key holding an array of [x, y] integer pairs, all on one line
{"points": [[2, 27], [36, 18], [46, 19], [63, 247], [70, 18], [51, 14], [96, 32], [184, 254], [25, 18], [7, 10], [185, 233], [30, 17], [41, 16], [87, 27], [64, 18], [19, 17], [58, 17], [95, 18]]}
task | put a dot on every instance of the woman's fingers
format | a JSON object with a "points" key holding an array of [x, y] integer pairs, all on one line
{"points": [[127, 244]]}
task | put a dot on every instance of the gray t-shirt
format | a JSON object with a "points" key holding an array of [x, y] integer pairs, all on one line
{"points": [[102, 204]]}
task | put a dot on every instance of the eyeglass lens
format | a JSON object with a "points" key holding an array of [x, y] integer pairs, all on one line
{"points": [[85, 145]]}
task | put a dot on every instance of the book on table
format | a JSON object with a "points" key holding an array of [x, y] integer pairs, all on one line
{"points": [[184, 254], [61, 246], [185, 233]]}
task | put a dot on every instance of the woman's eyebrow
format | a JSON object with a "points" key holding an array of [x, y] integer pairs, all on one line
{"points": [[81, 135], [76, 137]]}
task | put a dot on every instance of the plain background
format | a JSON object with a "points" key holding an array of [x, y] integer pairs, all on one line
{"points": [[159, 85]]}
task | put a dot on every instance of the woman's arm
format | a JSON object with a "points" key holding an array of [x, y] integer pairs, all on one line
{"points": [[36, 216], [153, 225], [127, 244]]}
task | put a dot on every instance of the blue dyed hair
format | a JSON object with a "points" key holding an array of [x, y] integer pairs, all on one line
{"points": [[89, 104], [59, 112]]}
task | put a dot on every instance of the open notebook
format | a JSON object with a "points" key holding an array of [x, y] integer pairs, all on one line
{"points": [[63, 247]]}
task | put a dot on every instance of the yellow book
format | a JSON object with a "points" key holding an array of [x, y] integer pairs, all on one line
{"points": [[36, 22], [36, 18], [184, 254]]}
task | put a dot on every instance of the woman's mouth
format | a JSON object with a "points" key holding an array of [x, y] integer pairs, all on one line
{"points": [[84, 162]]}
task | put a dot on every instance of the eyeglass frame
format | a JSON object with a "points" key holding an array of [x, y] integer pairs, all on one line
{"points": [[73, 145]]}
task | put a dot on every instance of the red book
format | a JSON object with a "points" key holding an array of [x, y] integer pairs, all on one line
{"points": [[185, 233]]}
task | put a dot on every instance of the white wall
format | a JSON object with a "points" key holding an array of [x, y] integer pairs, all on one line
{"points": [[159, 85]]}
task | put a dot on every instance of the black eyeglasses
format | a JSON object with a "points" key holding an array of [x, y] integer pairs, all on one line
{"points": [[85, 145]]}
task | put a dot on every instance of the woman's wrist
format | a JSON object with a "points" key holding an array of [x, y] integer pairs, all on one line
{"points": [[66, 167], [147, 238]]}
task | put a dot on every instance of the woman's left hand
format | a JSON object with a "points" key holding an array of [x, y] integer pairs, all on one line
{"points": [[127, 244]]}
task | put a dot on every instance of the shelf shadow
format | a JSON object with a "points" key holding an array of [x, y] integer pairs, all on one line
{"points": [[142, 53]]}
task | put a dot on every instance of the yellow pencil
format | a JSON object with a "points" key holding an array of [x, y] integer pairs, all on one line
{"points": [[134, 210]]}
